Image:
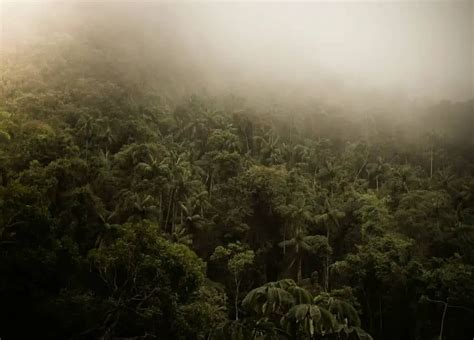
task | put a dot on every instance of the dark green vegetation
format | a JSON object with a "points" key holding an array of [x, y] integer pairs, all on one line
{"points": [[128, 214]]}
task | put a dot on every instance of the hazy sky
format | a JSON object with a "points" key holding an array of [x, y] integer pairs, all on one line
{"points": [[421, 48]]}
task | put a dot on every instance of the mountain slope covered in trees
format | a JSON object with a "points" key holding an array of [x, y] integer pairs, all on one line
{"points": [[126, 213]]}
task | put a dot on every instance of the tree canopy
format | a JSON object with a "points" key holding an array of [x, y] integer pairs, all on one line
{"points": [[127, 213]]}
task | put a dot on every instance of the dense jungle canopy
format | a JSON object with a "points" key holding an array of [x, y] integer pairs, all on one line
{"points": [[137, 204]]}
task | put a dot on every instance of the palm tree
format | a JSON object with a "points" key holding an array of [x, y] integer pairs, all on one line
{"points": [[300, 295], [179, 171], [250, 329], [309, 320], [315, 154], [86, 126], [135, 206], [300, 315], [406, 176], [330, 218], [375, 170], [105, 133], [181, 235], [304, 244], [294, 154], [150, 167], [344, 312], [269, 147], [192, 210], [296, 213], [271, 298]]}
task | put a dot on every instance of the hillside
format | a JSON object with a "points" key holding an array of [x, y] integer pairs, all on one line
{"points": [[131, 208]]}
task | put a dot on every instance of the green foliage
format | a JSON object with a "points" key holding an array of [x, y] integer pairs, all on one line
{"points": [[302, 318], [120, 202], [238, 258], [283, 303], [268, 299]]}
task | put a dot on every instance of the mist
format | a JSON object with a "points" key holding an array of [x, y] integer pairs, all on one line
{"points": [[412, 50], [218, 170]]}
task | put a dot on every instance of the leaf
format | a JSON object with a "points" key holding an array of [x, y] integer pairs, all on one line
{"points": [[4, 137], [300, 295]]}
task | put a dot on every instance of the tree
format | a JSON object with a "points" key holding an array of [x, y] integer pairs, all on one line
{"points": [[271, 298], [330, 219], [239, 260], [145, 280], [306, 244]]}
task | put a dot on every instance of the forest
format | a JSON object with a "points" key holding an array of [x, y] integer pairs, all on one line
{"points": [[132, 209]]}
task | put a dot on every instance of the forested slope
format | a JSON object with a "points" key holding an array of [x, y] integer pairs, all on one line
{"points": [[129, 213]]}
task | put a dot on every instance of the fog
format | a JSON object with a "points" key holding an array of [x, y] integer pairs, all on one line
{"points": [[415, 49]]}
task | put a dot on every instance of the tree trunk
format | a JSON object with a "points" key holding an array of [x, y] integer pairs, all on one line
{"points": [[210, 187], [87, 150], [380, 317], [370, 314], [236, 300], [442, 321], [173, 222], [406, 187], [431, 162], [161, 210], [169, 208], [314, 178], [298, 276], [326, 276], [360, 170]]}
